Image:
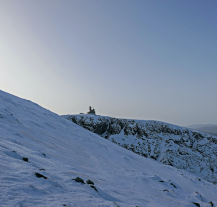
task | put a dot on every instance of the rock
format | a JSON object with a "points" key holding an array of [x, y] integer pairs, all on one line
{"points": [[42, 169], [196, 204], [90, 182], [25, 159], [79, 180], [92, 186], [173, 185], [211, 203], [40, 175]]}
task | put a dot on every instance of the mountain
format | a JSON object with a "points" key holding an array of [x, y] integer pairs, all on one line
{"points": [[197, 126], [180, 147], [42, 154], [208, 128]]}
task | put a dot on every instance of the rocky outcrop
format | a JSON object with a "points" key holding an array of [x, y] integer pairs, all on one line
{"points": [[180, 147]]}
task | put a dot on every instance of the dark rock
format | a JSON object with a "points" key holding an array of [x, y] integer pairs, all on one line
{"points": [[92, 186], [161, 181], [25, 159], [211, 203], [44, 154], [152, 157], [90, 182], [40, 175], [79, 180], [173, 185], [42, 169], [212, 169], [196, 204]]}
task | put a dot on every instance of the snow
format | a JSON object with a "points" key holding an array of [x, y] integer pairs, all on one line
{"points": [[177, 146], [64, 151]]}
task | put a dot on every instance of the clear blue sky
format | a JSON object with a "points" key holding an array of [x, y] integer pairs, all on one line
{"points": [[139, 59]]}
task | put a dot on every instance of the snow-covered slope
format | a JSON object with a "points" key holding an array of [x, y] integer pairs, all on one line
{"points": [[183, 148], [61, 151]]}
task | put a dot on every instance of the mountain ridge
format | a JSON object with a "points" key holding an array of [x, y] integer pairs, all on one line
{"points": [[207, 128], [169, 144], [197, 126]]}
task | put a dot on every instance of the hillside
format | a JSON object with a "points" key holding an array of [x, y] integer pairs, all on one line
{"points": [[208, 128], [183, 148], [197, 126], [41, 153]]}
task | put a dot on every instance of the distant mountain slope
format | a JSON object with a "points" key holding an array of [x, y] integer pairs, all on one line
{"points": [[183, 148], [197, 126], [35, 142], [208, 128]]}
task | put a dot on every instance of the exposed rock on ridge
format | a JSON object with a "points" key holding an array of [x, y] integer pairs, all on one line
{"points": [[183, 148]]}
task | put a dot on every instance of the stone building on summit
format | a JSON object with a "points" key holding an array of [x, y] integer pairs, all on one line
{"points": [[92, 111]]}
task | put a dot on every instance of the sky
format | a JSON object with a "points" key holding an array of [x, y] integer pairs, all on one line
{"points": [[142, 59]]}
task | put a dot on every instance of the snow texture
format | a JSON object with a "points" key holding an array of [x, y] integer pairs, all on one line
{"points": [[183, 148], [61, 151]]}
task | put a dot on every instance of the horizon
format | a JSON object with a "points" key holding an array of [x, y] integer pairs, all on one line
{"points": [[146, 60], [85, 113]]}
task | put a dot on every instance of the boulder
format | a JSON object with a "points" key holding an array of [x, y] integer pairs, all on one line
{"points": [[79, 180], [25, 159], [40, 175], [90, 182]]}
